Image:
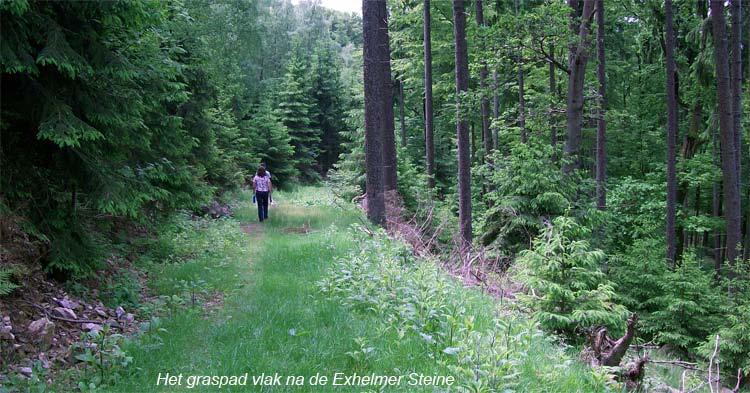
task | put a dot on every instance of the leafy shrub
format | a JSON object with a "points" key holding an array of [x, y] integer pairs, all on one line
{"points": [[415, 299], [639, 273], [689, 308], [734, 342], [6, 285], [411, 183], [122, 289], [636, 209], [526, 192], [570, 291]]}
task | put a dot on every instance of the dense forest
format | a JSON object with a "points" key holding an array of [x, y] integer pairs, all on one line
{"points": [[581, 160]]}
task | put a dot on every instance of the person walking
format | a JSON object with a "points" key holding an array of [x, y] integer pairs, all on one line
{"points": [[262, 187], [268, 175]]}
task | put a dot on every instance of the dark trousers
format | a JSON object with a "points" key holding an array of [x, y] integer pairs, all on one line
{"points": [[262, 198]]}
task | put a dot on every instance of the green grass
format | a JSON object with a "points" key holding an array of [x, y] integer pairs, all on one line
{"points": [[276, 319]]}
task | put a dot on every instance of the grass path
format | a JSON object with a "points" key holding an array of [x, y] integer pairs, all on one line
{"points": [[274, 319]]}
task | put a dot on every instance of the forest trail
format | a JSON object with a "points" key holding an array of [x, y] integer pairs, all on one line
{"points": [[275, 320]]}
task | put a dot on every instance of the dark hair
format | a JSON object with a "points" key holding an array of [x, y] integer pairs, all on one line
{"points": [[261, 172]]}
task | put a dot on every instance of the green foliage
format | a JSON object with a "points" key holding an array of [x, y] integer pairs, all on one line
{"points": [[636, 209], [132, 110], [411, 183], [689, 309], [122, 289], [734, 329], [639, 273], [411, 300], [6, 284], [37, 383], [103, 357], [296, 110], [570, 292], [348, 174], [270, 145], [526, 192]]}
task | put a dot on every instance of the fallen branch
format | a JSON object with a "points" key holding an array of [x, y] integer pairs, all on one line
{"points": [[69, 320]]}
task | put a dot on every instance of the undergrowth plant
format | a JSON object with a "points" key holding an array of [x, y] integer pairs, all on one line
{"points": [[101, 353], [569, 290], [6, 285], [485, 348]]}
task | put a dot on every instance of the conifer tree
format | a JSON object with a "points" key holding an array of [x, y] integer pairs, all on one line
{"points": [[270, 144], [329, 99], [296, 107]]}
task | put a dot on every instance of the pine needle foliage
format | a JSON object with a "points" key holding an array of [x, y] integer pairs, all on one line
{"points": [[571, 293]]}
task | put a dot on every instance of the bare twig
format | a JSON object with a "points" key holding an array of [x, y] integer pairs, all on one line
{"points": [[711, 362]]}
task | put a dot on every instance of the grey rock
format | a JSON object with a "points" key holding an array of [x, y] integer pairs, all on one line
{"points": [[119, 312], [92, 327], [67, 303], [65, 312], [43, 332], [25, 371], [101, 312]]}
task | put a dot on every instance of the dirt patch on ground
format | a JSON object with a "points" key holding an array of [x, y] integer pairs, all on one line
{"points": [[298, 230], [250, 228]]}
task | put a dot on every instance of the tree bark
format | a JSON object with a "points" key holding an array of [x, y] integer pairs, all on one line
{"points": [[552, 95], [495, 107], [484, 102], [730, 177], [716, 202], [376, 88], [671, 136], [736, 72], [428, 117], [601, 124], [401, 115], [577, 65], [462, 126], [521, 101]]}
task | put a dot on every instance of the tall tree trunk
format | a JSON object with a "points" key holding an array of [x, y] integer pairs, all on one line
{"points": [[671, 137], [732, 204], [716, 201], [462, 126], [495, 107], [376, 88], [521, 101], [484, 103], [401, 115], [577, 64], [390, 164], [428, 130], [552, 95], [601, 124], [736, 72]]}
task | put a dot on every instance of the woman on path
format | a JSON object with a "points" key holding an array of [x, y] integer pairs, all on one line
{"points": [[262, 187]]}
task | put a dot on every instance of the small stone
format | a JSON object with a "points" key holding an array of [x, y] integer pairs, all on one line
{"points": [[6, 320], [101, 312], [119, 312], [129, 318], [91, 327], [67, 303], [65, 312], [43, 331], [25, 371]]}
